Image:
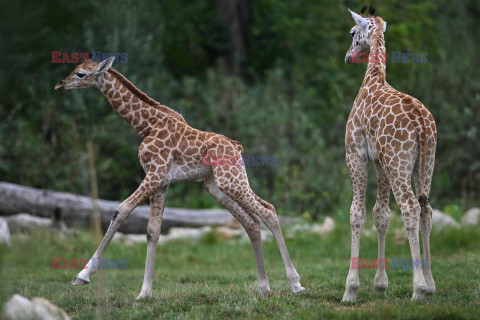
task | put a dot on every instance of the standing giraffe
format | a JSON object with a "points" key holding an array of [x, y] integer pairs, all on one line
{"points": [[173, 151], [397, 133]]}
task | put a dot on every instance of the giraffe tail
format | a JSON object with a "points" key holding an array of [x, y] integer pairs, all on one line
{"points": [[423, 198]]}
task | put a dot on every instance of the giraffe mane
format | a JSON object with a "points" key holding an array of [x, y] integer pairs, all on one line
{"points": [[376, 38], [144, 97]]}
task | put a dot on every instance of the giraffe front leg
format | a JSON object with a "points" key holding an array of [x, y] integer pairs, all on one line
{"points": [[146, 188], [358, 168], [157, 204]]}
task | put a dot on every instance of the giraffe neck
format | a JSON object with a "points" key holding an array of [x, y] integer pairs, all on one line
{"points": [[376, 70], [138, 109]]}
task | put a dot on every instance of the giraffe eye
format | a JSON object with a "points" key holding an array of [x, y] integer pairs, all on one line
{"points": [[352, 33], [80, 74]]}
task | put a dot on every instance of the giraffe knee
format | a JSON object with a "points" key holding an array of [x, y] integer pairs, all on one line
{"points": [[152, 236], [120, 214], [411, 219], [427, 212], [357, 217], [382, 217]]}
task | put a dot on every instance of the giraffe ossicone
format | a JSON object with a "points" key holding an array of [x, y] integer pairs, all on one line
{"points": [[172, 151], [397, 133]]}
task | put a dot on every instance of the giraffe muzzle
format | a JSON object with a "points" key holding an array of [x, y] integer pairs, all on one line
{"points": [[59, 86]]}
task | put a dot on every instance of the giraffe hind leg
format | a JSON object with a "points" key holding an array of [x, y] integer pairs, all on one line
{"points": [[381, 216], [251, 224], [425, 229], [411, 210], [233, 181]]}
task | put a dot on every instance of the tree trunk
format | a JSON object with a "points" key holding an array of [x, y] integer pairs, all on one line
{"points": [[77, 210], [236, 15]]}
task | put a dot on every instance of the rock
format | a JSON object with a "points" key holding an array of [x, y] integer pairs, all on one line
{"points": [[265, 235], [26, 222], [19, 307], [299, 228], [130, 239], [227, 233], [471, 217], [327, 226], [4, 232], [174, 234], [400, 236], [441, 220], [185, 233]]}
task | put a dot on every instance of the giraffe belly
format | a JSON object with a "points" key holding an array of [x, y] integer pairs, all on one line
{"points": [[187, 173]]}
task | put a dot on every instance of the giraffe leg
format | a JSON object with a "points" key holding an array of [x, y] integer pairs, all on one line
{"points": [[151, 183], [358, 168], [269, 217], [237, 187], [157, 204], [410, 208], [381, 215], [425, 229], [251, 224]]}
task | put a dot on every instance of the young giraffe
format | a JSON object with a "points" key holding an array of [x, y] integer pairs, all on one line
{"points": [[397, 133], [172, 151]]}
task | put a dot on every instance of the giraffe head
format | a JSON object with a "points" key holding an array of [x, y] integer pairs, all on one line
{"points": [[85, 75], [363, 31]]}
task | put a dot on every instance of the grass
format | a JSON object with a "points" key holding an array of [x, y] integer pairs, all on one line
{"points": [[212, 278]]}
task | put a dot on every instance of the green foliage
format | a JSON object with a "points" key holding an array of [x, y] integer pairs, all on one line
{"points": [[454, 210], [293, 106]]}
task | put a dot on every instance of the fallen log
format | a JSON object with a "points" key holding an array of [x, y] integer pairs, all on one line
{"points": [[77, 210]]}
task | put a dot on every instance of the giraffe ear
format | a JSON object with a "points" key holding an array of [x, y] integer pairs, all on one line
{"points": [[359, 20], [384, 26], [105, 65]]}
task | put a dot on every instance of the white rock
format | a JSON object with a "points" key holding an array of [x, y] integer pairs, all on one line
{"points": [[299, 227], [229, 233], [471, 217], [26, 222], [19, 307], [174, 234], [327, 226], [441, 220], [130, 239], [185, 233], [4, 232]]}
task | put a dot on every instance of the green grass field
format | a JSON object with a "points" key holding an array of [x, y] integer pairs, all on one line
{"points": [[213, 278]]}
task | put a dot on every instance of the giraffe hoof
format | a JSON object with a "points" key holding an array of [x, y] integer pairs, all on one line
{"points": [[350, 295], [302, 289], [381, 288], [264, 291], [419, 293], [143, 296], [80, 281], [430, 290], [348, 299]]}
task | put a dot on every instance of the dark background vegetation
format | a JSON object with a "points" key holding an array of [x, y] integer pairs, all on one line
{"points": [[268, 73]]}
